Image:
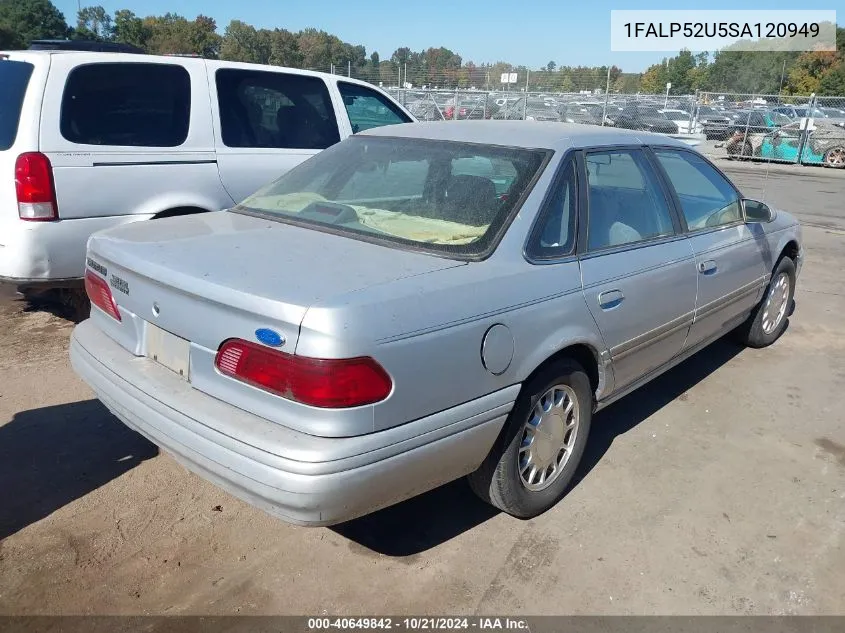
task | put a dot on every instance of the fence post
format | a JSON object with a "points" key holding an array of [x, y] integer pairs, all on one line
{"points": [[747, 123], [606, 97], [805, 131]]}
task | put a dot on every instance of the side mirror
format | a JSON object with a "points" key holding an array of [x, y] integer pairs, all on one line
{"points": [[756, 211]]}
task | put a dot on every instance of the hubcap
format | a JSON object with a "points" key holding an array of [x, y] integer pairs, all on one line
{"points": [[775, 307], [548, 437], [836, 157]]}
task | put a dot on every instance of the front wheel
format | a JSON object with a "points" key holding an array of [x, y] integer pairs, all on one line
{"points": [[535, 458], [768, 320]]}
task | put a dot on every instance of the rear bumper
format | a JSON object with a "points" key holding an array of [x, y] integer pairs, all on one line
{"points": [[49, 253], [300, 478]]}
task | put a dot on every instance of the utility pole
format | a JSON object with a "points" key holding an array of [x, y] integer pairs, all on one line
{"points": [[349, 68]]}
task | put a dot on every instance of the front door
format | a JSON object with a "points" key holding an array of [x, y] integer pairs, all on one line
{"points": [[730, 260], [638, 273]]}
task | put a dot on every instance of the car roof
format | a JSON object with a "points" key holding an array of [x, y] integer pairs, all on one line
{"points": [[101, 56], [525, 134]]}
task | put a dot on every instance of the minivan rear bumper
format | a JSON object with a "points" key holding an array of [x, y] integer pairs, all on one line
{"points": [[49, 253], [302, 479]]}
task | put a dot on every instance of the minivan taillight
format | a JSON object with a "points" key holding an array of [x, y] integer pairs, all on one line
{"points": [[318, 382], [99, 293], [35, 188]]}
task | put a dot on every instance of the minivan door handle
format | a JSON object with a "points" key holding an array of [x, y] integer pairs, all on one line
{"points": [[610, 299], [707, 268]]}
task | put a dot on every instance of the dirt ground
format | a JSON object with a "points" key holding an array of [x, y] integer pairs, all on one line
{"points": [[717, 489]]}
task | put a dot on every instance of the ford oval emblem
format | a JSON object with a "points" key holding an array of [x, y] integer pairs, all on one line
{"points": [[269, 337]]}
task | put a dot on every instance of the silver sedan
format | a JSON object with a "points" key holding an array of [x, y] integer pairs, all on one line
{"points": [[423, 302]]}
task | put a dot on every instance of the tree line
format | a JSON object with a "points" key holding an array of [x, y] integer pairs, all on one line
{"points": [[22, 21]]}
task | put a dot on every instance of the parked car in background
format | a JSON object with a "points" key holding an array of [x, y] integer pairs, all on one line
{"points": [[589, 114], [799, 112], [444, 329], [466, 109], [425, 110], [684, 120], [91, 140], [824, 144], [530, 109], [750, 121], [645, 117]]}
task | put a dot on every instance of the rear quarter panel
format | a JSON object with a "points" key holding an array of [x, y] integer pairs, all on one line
{"points": [[428, 331]]}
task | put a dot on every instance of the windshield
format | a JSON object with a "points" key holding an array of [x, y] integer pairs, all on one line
{"points": [[443, 196], [650, 112], [14, 77]]}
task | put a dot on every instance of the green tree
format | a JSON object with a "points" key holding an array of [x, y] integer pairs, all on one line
{"points": [[833, 81], [550, 67], [93, 23], [284, 49], [25, 20], [679, 71], [654, 79], [806, 74], [243, 43], [173, 34], [130, 29]]}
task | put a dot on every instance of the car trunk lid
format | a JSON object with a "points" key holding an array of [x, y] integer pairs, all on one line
{"points": [[213, 276]]}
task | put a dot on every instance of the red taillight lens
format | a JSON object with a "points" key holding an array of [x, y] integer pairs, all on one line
{"points": [[100, 294], [35, 188], [325, 383]]}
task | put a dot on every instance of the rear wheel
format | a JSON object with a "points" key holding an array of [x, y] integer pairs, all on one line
{"points": [[768, 320], [531, 465], [835, 157]]}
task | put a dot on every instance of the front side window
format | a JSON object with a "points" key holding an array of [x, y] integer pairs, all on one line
{"points": [[707, 198], [626, 203], [368, 109], [263, 109], [130, 105], [439, 196]]}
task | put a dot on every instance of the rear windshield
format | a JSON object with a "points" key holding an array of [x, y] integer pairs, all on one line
{"points": [[14, 78], [439, 196]]}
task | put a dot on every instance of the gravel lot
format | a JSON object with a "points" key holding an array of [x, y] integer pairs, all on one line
{"points": [[717, 489]]}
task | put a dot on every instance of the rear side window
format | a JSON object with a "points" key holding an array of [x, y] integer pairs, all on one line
{"points": [[275, 110], [368, 109], [14, 78], [129, 105]]}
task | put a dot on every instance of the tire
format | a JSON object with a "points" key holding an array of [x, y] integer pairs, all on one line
{"points": [[835, 157], [767, 322], [498, 480], [76, 304]]}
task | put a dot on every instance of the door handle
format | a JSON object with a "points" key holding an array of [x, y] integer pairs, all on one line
{"points": [[610, 299], [707, 268]]}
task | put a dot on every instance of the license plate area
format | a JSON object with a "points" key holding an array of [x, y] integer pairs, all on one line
{"points": [[169, 350]]}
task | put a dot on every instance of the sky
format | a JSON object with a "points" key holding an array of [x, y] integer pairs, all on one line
{"points": [[570, 33]]}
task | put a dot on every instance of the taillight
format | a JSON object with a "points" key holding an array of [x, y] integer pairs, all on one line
{"points": [[325, 383], [99, 293], [35, 188]]}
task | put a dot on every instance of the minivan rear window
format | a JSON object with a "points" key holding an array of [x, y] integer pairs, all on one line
{"points": [[14, 77], [127, 104]]}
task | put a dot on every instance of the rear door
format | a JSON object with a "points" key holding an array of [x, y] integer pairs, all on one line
{"points": [[637, 270], [266, 123], [22, 78], [730, 260]]}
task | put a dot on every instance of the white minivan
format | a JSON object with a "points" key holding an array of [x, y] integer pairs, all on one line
{"points": [[92, 140]]}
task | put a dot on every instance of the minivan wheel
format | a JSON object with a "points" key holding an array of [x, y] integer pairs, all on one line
{"points": [[768, 320], [531, 465]]}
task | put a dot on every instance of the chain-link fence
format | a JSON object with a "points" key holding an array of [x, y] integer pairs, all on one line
{"points": [[778, 128]]}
